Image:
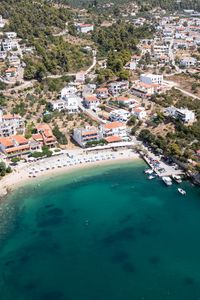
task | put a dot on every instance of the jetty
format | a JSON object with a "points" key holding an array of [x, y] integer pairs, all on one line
{"points": [[160, 167]]}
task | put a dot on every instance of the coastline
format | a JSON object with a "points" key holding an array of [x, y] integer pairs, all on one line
{"points": [[20, 175]]}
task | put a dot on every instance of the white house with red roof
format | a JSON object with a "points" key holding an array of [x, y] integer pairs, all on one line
{"points": [[118, 87], [11, 124], [45, 136], [102, 93], [125, 101], [15, 145], [10, 72], [91, 101], [114, 129], [84, 28], [145, 90], [82, 136], [139, 112], [121, 115]]}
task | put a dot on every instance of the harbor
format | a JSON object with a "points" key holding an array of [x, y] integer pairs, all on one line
{"points": [[161, 168]]}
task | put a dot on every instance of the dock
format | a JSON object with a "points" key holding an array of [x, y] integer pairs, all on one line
{"points": [[160, 167]]}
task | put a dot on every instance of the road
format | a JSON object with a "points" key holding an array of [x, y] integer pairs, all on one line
{"points": [[23, 86], [175, 85], [90, 113], [30, 84], [74, 74], [187, 93]]}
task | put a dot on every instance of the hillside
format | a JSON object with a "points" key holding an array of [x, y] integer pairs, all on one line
{"points": [[170, 4], [36, 24], [144, 4]]}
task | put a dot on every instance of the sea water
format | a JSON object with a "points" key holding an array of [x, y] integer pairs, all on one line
{"points": [[106, 233]]}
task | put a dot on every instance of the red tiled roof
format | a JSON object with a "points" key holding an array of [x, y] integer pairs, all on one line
{"points": [[113, 125], [113, 139], [10, 70], [91, 98], [6, 142], [89, 133], [20, 139], [102, 90], [19, 148]]}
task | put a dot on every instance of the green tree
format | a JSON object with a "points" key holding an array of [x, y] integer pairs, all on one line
{"points": [[132, 121], [2, 169], [61, 138]]}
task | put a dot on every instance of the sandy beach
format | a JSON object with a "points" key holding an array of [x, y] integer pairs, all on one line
{"points": [[42, 169]]}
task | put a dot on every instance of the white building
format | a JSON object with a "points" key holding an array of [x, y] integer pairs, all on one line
{"points": [[125, 101], [118, 87], [102, 93], [120, 115], [144, 90], [9, 45], [85, 28], [68, 91], [151, 78], [159, 50], [2, 23], [80, 77], [58, 105], [114, 128], [3, 55], [11, 73], [14, 60], [183, 114], [139, 112], [91, 102], [11, 125], [72, 104], [68, 103], [188, 62], [86, 135], [11, 35]]}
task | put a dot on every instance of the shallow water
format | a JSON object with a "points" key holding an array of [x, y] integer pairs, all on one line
{"points": [[98, 234]]}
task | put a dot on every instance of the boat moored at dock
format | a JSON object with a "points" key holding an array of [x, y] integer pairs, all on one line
{"points": [[177, 178], [167, 180], [149, 171]]}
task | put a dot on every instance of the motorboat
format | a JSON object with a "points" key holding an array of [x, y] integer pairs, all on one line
{"points": [[167, 180], [148, 171], [182, 192], [151, 177], [177, 178]]}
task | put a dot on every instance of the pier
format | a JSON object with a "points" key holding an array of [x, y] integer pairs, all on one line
{"points": [[160, 167]]}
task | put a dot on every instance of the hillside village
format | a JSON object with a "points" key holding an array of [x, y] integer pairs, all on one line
{"points": [[143, 101]]}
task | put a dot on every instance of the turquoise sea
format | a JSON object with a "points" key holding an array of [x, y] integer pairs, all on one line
{"points": [[105, 233]]}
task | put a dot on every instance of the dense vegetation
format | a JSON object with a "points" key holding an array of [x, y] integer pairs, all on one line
{"points": [[36, 23], [4, 169], [61, 138], [168, 4], [145, 5], [120, 36], [184, 140], [117, 43]]}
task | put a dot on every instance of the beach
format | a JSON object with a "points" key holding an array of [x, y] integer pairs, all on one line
{"points": [[63, 163]]}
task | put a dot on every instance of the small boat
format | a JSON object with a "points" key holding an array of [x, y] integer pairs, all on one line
{"points": [[151, 177], [181, 191], [167, 180], [148, 171], [177, 178]]}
